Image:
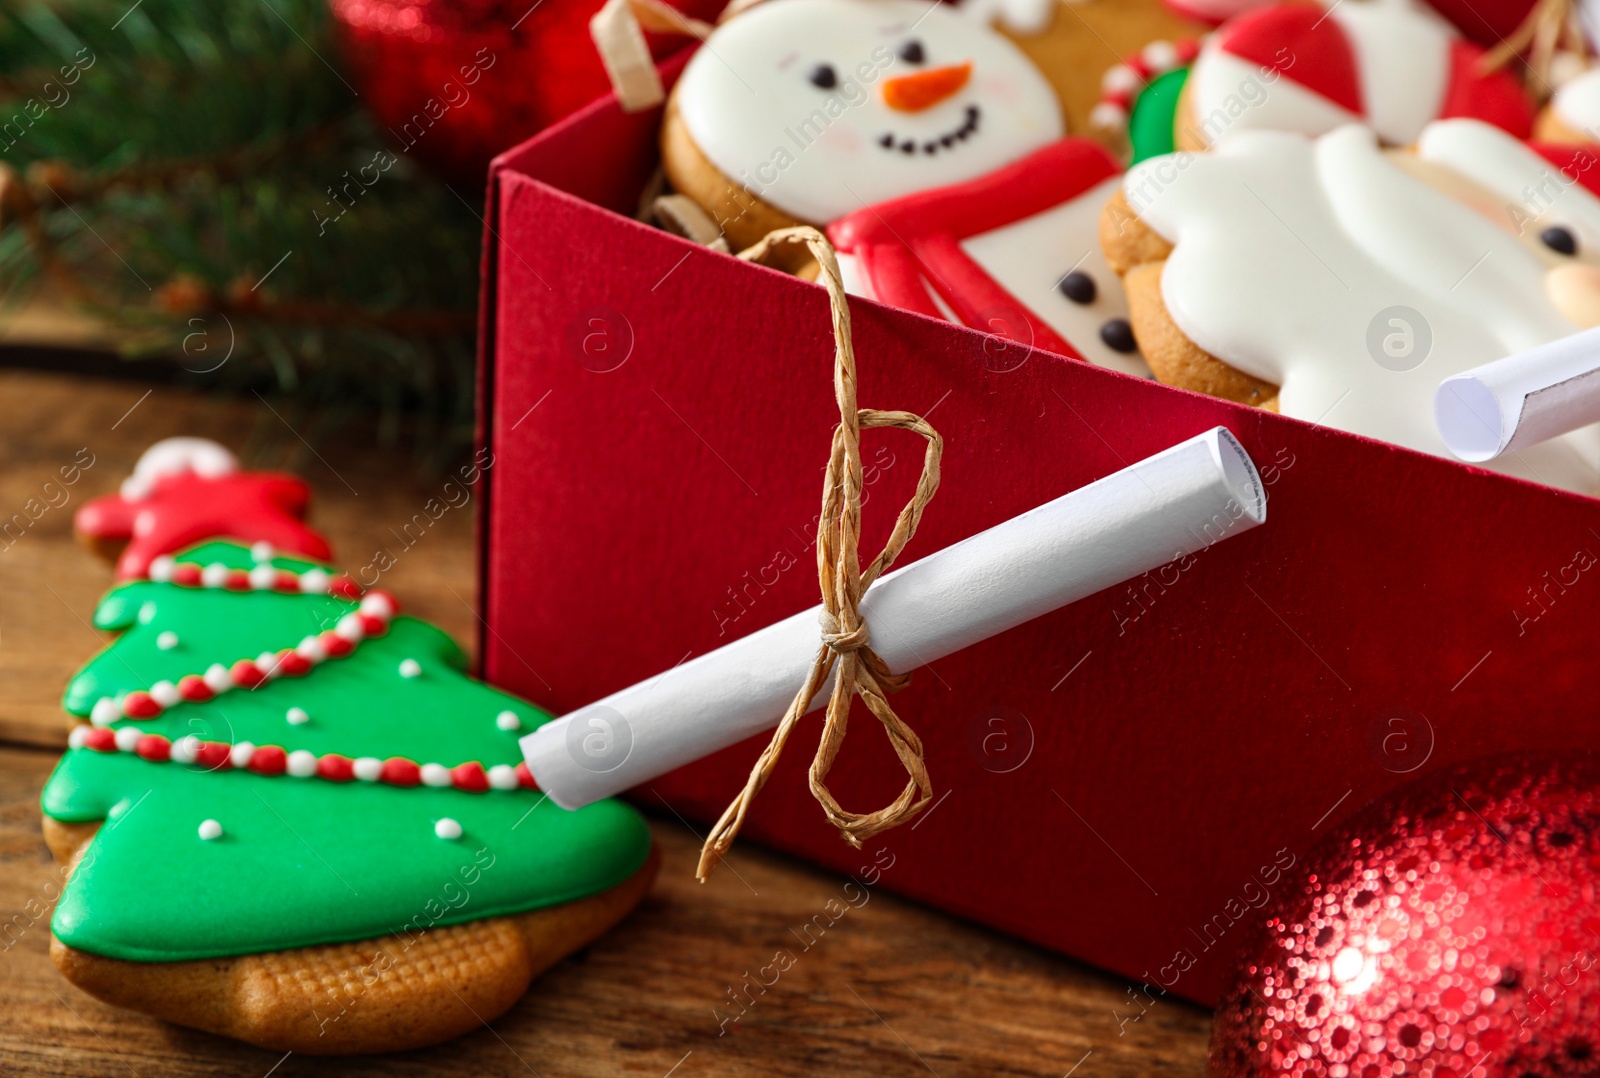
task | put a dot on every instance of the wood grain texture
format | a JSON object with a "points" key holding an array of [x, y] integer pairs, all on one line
{"points": [[883, 988]]}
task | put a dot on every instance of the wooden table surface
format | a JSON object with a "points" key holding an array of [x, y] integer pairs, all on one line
{"points": [[892, 989]]}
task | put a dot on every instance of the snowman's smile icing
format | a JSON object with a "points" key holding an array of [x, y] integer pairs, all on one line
{"points": [[819, 107], [947, 141]]}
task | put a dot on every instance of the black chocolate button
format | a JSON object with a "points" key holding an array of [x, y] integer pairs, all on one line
{"points": [[1079, 287], [1118, 336]]}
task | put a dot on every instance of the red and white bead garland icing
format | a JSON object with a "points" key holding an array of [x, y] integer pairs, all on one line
{"points": [[375, 611], [272, 760], [1122, 83], [371, 618]]}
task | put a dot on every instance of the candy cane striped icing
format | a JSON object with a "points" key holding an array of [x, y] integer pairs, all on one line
{"points": [[1120, 85]]}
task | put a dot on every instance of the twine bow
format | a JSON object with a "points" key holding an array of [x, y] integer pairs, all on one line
{"points": [[1548, 26], [846, 642]]}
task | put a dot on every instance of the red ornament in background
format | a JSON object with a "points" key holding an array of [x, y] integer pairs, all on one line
{"points": [[458, 81], [1452, 930]]}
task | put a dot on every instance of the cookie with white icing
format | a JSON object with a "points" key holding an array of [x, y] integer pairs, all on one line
{"points": [[1394, 65], [1573, 114], [1342, 282], [846, 113]]}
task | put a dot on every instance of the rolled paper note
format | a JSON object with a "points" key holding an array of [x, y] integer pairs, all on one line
{"points": [[1523, 399], [1177, 502]]}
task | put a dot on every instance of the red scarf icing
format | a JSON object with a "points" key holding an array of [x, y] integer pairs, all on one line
{"points": [[908, 245]]}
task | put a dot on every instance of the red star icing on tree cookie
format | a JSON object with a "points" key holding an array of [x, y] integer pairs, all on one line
{"points": [[184, 490]]}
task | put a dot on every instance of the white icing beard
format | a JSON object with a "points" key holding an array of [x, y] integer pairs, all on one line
{"points": [[1288, 251], [748, 103], [1402, 54], [1577, 104]]}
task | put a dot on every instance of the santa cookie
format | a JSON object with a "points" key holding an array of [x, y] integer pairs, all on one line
{"points": [[1573, 114], [292, 819], [1395, 65], [846, 113], [1343, 282], [184, 490]]}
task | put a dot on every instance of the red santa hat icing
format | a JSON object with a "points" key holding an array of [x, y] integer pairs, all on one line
{"points": [[184, 490], [1488, 22], [1392, 64], [177, 456]]}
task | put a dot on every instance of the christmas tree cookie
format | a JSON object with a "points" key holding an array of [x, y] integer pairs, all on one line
{"points": [[292, 818]]}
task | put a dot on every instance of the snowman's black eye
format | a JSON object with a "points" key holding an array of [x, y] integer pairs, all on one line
{"points": [[823, 77], [911, 52], [1560, 240]]}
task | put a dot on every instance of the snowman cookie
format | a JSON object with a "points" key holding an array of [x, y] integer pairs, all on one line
{"points": [[1394, 65], [843, 113], [1341, 282]]}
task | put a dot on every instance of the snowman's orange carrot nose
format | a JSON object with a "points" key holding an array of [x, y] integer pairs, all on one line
{"points": [[913, 93]]}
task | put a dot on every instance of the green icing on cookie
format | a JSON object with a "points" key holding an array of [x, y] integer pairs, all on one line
{"points": [[304, 861], [1153, 122]]}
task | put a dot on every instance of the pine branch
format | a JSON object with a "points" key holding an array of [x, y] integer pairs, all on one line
{"points": [[176, 164]]}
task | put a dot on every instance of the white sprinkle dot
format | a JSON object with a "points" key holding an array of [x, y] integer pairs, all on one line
{"points": [[210, 830], [503, 777], [105, 712], [167, 640], [147, 613], [302, 764], [239, 755], [127, 737], [164, 693], [507, 720], [297, 716], [185, 749], [410, 668], [314, 580], [447, 828], [263, 577], [217, 678], [367, 768], [261, 552], [161, 568], [214, 575], [79, 735], [435, 775]]}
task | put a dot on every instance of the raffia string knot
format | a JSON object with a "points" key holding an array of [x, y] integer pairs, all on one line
{"points": [[845, 650], [840, 641], [1549, 26]]}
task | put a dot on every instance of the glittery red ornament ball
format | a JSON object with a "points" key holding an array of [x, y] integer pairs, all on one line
{"points": [[1449, 931], [458, 81]]}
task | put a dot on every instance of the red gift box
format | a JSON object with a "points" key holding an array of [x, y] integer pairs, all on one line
{"points": [[1123, 780]]}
